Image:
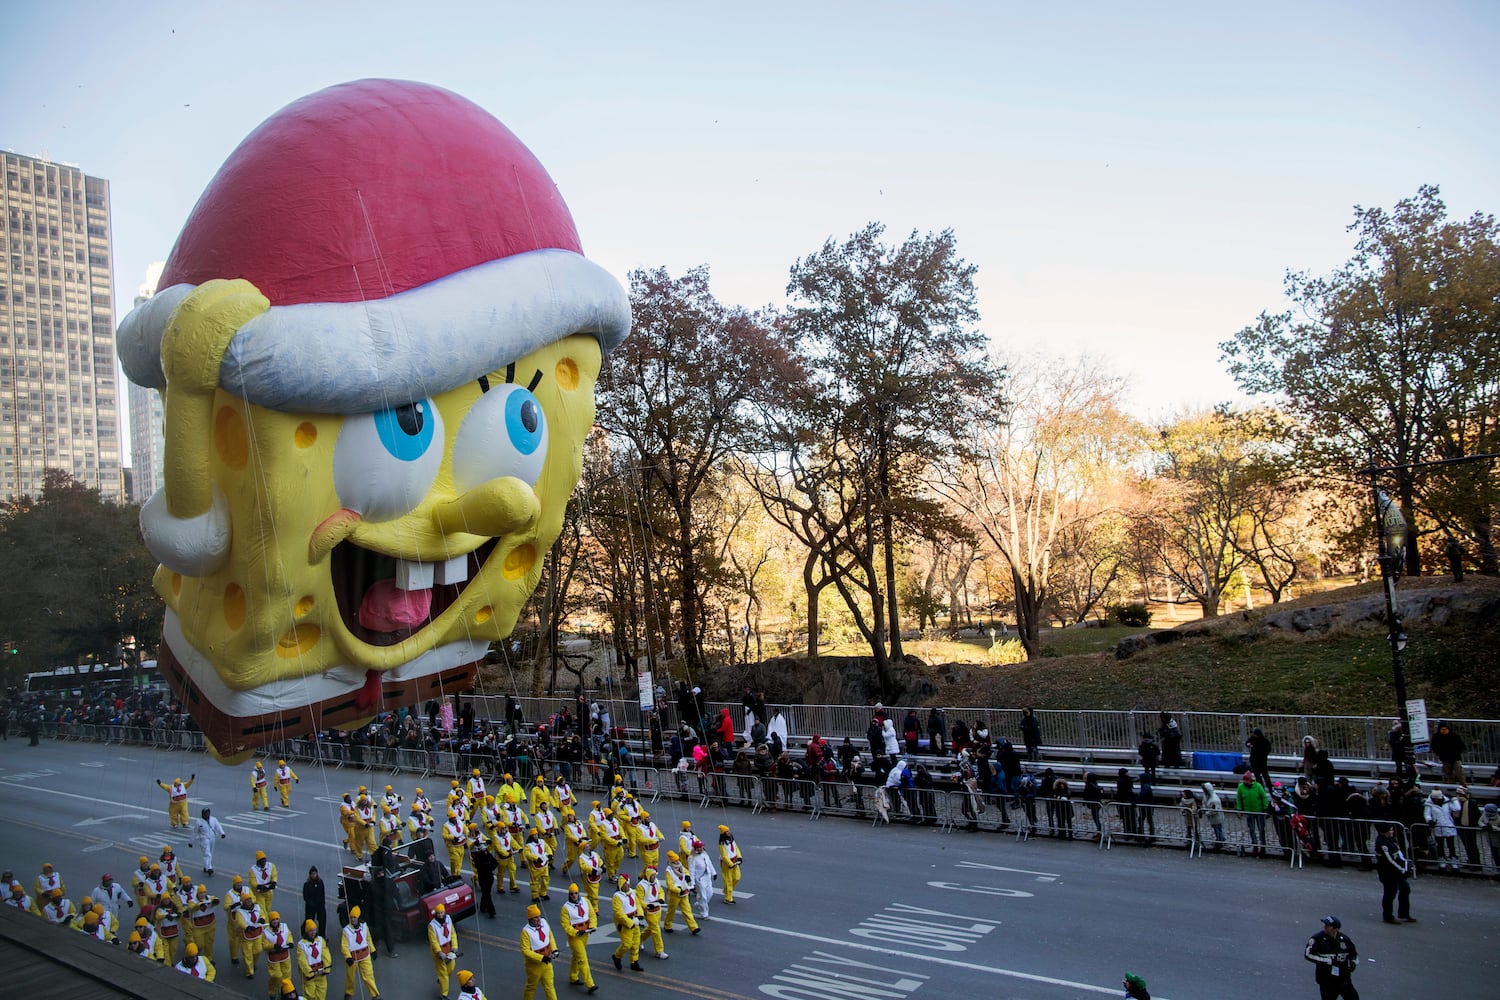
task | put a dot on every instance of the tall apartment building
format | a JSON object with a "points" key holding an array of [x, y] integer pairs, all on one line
{"points": [[148, 427], [59, 407]]}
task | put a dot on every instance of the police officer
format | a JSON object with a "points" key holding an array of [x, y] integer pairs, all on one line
{"points": [[382, 903], [1333, 952], [484, 873], [1394, 870]]}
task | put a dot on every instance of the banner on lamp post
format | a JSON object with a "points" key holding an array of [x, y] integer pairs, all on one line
{"points": [[647, 692], [1416, 710]]}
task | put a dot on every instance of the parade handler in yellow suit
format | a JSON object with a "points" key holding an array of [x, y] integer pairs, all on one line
{"points": [[442, 940], [729, 863], [313, 962], [359, 955], [538, 947], [628, 923], [258, 797], [579, 920], [284, 778], [177, 799]]}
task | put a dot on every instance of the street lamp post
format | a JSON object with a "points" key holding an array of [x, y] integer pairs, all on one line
{"points": [[1390, 527], [1392, 537]]}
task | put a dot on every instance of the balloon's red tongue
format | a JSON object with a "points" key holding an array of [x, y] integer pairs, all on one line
{"points": [[388, 608]]}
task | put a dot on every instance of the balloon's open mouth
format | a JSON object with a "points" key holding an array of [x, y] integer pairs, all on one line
{"points": [[383, 600], [235, 720]]}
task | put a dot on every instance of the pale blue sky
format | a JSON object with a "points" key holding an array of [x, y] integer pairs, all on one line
{"points": [[1130, 179]]}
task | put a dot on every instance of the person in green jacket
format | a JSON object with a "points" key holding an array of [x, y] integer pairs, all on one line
{"points": [[1252, 799]]}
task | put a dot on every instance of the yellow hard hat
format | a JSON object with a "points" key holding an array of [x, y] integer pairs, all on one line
{"points": [[354, 913], [274, 916], [723, 828], [192, 950], [260, 855], [419, 791], [687, 825], [245, 896], [238, 880], [572, 886], [183, 878], [142, 922], [135, 938], [281, 763], [145, 860], [90, 918], [155, 867], [532, 912], [672, 856], [388, 788], [507, 776], [309, 925], [440, 909], [465, 977], [86, 903], [476, 772]]}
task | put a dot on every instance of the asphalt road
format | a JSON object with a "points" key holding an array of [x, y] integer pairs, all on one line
{"points": [[830, 910]]}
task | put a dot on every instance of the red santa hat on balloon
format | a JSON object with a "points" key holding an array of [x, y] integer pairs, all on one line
{"points": [[407, 243]]}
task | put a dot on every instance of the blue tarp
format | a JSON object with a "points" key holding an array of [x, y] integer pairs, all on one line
{"points": [[1216, 761]]}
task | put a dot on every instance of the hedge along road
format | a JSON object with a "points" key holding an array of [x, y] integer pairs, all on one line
{"points": [[832, 909]]}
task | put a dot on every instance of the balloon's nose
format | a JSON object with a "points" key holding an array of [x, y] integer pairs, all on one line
{"points": [[497, 508]]}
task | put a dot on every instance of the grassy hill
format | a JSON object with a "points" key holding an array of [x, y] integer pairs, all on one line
{"points": [[1324, 654]]}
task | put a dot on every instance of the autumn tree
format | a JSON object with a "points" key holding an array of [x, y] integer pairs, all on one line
{"points": [[679, 394], [1394, 358], [1037, 468], [887, 333], [75, 577], [1200, 500]]}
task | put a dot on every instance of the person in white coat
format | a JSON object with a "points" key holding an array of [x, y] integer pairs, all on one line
{"points": [[892, 742], [1444, 831], [112, 896], [777, 725], [206, 829], [701, 868]]}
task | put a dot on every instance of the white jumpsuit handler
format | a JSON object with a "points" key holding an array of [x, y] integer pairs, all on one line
{"points": [[206, 829], [701, 867]]}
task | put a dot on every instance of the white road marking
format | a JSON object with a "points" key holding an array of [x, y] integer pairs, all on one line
{"points": [[955, 963], [105, 819], [983, 890], [1000, 868], [127, 805]]}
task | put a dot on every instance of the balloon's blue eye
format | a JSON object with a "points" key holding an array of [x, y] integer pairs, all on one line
{"points": [[503, 435], [405, 431], [384, 463], [524, 421]]}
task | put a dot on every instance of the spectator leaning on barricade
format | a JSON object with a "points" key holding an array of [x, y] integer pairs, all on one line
{"points": [[1449, 747]]}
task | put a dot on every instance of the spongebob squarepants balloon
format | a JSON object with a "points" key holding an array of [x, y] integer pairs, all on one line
{"points": [[377, 341]]}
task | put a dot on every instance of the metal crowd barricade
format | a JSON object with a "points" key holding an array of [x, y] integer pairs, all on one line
{"points": [[412, 760]]}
